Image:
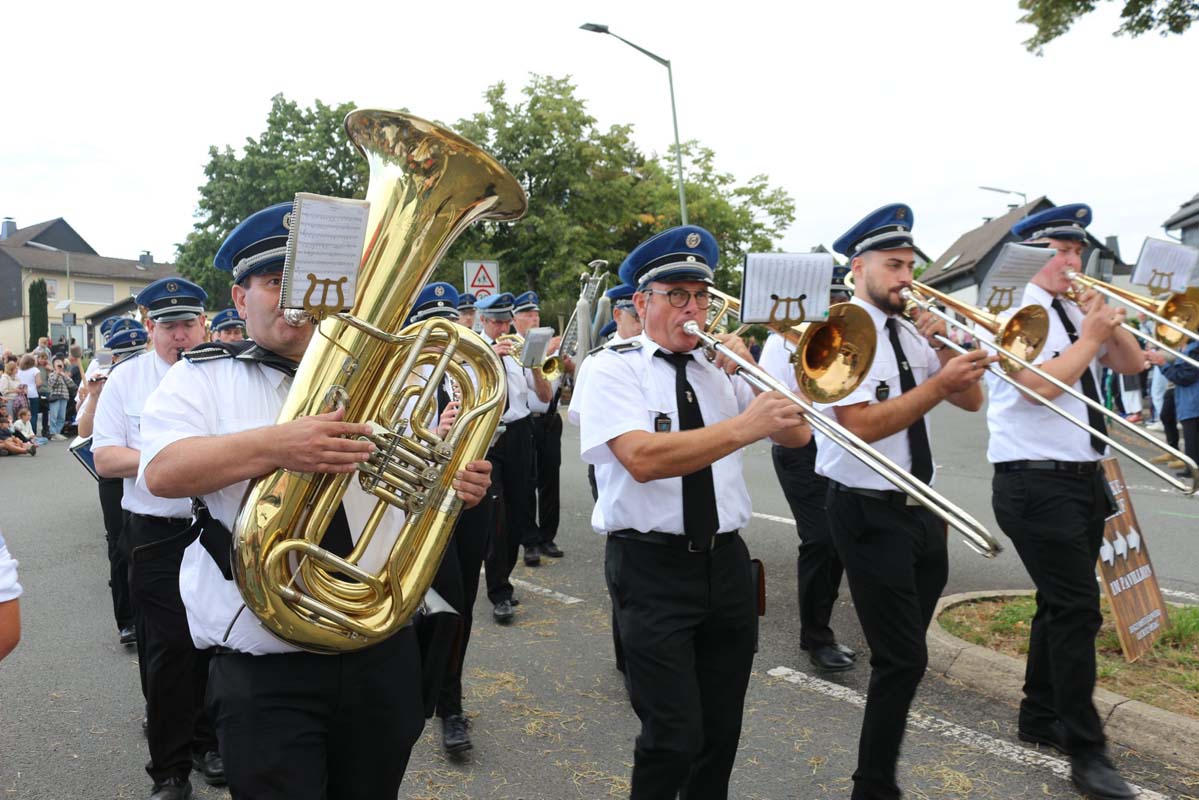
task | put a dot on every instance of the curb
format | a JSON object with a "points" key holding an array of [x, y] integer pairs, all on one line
{"points": [[1130, 723]]}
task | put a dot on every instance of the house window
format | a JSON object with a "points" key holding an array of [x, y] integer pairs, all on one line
{"points": [[97, 293], [51, 288]]}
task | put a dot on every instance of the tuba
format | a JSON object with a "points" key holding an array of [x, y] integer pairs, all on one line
{"points": [[427, 184]]}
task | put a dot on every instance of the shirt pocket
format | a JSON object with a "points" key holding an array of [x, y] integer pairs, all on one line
{"points": [[889, 378]]}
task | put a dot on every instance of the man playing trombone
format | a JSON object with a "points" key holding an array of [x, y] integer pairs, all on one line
{"points": [[665, 427], [1050, 497], [893, 549]]}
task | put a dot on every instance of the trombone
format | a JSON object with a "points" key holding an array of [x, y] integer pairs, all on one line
{"points": [[1015, 360], [831, 358], [1176, 315], [551, 369]]}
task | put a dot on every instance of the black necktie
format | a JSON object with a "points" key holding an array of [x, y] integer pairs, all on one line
{"points": [[922, 456], [1094, 417], [700, 518]]}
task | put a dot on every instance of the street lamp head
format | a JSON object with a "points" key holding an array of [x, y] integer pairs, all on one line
{"points": [[594, 27]]}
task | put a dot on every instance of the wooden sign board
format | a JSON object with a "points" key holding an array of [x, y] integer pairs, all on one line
{"points": [[1127, 574]]}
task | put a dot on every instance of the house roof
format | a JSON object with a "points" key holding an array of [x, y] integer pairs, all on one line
{"points": [[84, 264], [974, 247], [119, 308], [55, 232], [1187, 212]]}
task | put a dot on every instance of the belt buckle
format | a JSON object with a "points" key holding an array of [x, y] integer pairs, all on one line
{"points": [[691, 548]]}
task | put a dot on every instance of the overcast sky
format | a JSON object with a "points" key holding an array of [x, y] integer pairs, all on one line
{"points": [[109, 108]]}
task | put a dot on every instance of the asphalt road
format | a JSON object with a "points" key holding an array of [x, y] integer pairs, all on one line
{"points": [[549, 714]]}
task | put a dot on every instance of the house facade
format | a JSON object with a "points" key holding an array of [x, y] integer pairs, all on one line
{"points": [[79, 281]]}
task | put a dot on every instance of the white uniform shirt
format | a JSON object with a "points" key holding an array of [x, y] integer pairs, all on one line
{"points": [[572, 413], [212, 399], [535, 404], [10, 589], [118, 421], [1022, 428], [520, 387], [832, 460], [626, 391]]}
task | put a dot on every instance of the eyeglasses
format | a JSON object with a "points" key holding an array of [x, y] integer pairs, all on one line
{"points": [[679, 298]]}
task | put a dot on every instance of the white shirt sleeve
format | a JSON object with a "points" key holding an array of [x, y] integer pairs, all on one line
{"points": [[613, 404], [180, 408], [108, 428], [10, 589]]}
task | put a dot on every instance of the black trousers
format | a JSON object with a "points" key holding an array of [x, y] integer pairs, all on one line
{"points": [[111, 490], [1055, 520], [896, 566], [1169, 417], [687, 625], [457, 580], [513, 483], [818, 567], [303, 726], [547, 445], [174, 672], [1190, 438]]}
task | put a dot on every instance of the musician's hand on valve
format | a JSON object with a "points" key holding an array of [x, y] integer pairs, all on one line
{"points": [[930, 326], [553, 346], [737, 345], [770, 413], [448, 415], [963, 371], [1101, 321], [472, 482], [503, 348], [321, 443], [1154, 358]]}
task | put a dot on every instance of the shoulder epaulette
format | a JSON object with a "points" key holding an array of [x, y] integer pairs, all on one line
{"points": [[215, 351], [126, 360], [596, 349], [624, 347]]}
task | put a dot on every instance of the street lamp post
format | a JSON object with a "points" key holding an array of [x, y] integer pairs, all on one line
{"points": [[1023, 196], [678, 150]]}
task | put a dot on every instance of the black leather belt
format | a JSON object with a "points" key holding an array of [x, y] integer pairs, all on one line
{"points": [[676, 540], [1069, 467], [892, 498], [176, 521]]}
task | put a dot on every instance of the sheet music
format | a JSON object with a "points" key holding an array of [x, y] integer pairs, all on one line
{"points": [[1166, 266], [537, 341], [324, 250], [1014, 267], [779, 288]]}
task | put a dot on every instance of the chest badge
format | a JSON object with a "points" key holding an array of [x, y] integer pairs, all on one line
{"points": [[882, 392]]}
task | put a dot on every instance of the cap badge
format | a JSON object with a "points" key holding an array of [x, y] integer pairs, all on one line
{"points": [[439, 290], [1080, 213], [693, 240], [174, 301], [287, 221], [900, 213], [172, 287], [690, 258]]}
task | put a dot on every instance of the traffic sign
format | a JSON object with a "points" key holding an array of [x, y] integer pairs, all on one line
{"points": [[481, 278]]}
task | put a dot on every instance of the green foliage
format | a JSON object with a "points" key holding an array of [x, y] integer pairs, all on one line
{"points": [[301, 150], [39, 320], [1053, 18]]}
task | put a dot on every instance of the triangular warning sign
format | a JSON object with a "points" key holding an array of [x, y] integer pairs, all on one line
{"points": [[482, 279]]}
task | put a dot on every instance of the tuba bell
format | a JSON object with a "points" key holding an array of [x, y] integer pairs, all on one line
{"points": [[427, 184]]}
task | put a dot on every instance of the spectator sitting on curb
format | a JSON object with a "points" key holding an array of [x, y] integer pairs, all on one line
{"points": [[23, 428], [10, 441]]}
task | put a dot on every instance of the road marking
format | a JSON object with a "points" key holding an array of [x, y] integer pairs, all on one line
{"points": [[1177, 514], [773, 518], [1194, 598], [564, 599], [999, 748]]}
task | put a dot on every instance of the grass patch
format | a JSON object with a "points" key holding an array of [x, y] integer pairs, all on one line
{"points": [[1167, 676]]}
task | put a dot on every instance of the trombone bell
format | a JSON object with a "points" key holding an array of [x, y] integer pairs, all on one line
{"points": [[832, 357]]}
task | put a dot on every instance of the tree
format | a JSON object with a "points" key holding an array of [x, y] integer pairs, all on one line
{"points": [[301, 150], [39, 320], [1053, 18], [593, 194]]}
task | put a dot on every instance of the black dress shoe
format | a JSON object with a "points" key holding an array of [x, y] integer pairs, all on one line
{"points": [[515, 601], [1096, 778], [172, 789], [848, 651], [552, 550], [503, 612], [829, 659], [211, 767], [128, 635], [1054, 736], [532, 555], [454, 738]]}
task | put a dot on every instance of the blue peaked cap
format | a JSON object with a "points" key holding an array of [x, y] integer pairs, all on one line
{"points": [[113, 324], [128, 340], [466, 301], [170, 299], [497, 304], [685, 253], [608, 329], [258, 244], [621, 296], [529, 301], [886, 228], [227, 319], [1060, 222], [435, 300]]}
